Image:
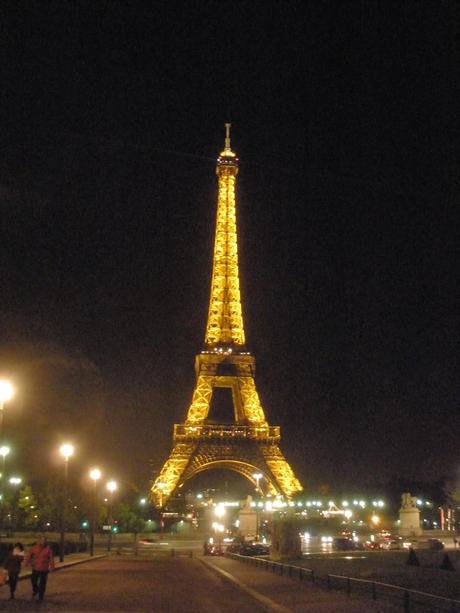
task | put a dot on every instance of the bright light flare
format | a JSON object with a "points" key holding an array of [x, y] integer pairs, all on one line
{"points": [[95, 474], [4, 451], [112, 486], [6, 391], [67, 450], [219, 510]]}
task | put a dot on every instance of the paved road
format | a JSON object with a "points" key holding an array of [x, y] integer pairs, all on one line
{"points": [[159, 585]]}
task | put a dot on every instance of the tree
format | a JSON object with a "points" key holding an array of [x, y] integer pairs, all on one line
{"points": [[27, 509], [128, 521]]}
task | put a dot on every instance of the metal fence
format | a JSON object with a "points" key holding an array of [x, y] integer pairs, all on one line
{"points": [[153, 552], [410, 600]]}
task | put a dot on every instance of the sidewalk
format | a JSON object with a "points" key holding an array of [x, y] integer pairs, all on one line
{"points": [[289, 595], [70, 560]]}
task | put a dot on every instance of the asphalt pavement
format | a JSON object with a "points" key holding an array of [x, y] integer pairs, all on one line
{"points": [[134, 584], [181, 584]]}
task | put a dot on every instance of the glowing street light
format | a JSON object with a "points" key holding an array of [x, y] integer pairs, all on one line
{"points": [[257, 477], [219, 511], [15, 480], [95, 474], [6, 393], [66, 450], [112, 486], [4, 451]]}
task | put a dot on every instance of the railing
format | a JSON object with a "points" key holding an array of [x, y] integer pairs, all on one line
{"points": [[154, 552], [261, 433], [409, 599]]}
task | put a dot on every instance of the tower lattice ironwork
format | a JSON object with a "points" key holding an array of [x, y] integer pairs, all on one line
{"points": [[249, 445]]}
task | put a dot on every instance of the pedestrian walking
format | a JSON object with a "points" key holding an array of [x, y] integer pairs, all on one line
{"points": [[40, 557], [13, 566]]}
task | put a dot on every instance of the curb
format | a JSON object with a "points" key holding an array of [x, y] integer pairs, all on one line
{"points": [[266, 602], [28, 574]]}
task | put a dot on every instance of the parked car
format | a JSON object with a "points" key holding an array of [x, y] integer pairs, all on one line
{"points": [[249, 549], [372, 545], [215, 550], [435, 544], [343, 543], [391, 545]]}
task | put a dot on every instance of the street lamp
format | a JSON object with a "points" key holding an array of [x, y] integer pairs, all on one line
{"points": [[14, 481], [258, 477], [95, 474], [161, 487], [66, 450], [112, 486], [4, 451], [6, 393], [219, 511]]}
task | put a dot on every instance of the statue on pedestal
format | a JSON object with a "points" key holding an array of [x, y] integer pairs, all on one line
{"points": [[409, 516]]}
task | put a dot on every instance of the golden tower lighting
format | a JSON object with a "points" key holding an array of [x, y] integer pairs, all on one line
{"points": [[249, 446]]}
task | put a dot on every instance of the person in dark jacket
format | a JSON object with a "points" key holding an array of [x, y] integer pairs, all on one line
{"points": [[13, 566]]}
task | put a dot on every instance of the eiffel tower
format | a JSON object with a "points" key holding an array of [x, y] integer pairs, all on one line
{"points": [[249, 445]]}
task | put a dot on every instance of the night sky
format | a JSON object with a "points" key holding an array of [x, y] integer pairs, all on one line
{"points": [[345, 119]]}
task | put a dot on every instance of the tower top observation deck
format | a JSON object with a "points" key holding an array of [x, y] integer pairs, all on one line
{"points": [[227, 157]]}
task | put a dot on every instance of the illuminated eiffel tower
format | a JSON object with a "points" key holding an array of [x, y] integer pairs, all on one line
{"points": [[248, 446]]}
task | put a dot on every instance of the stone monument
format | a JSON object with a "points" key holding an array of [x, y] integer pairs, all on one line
{"points": [[248, 527], [285, 539], [409, 516]]}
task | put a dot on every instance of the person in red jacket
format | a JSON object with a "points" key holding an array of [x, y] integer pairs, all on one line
{"points": [[40, 557]]}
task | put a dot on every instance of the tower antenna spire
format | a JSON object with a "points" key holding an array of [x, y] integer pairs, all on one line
{"points": [[227, 136]]}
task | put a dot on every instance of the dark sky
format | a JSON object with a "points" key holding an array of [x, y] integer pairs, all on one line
{"points": [[346, 123]]}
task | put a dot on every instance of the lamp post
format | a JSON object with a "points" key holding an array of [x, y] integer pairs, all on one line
{"points": [[219, 528], [14, 481], [161, 487], [95, 474], [6, 393], [4, 451], [258, 477], [112, 487], [66, 450]]}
